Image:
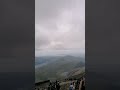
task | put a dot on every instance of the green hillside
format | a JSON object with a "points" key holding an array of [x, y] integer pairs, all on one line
{"points": [[58, 69]]}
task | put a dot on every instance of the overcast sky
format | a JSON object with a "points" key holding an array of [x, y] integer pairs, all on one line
{"points": [[59, 24]]}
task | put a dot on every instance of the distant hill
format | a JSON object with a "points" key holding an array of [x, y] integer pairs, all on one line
{"points": [[57, 67]]}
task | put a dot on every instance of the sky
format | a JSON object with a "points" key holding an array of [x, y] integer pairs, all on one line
{"points": [[59, 25]]}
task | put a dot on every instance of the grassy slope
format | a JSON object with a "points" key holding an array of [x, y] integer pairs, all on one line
{"points": [[55, 69]]}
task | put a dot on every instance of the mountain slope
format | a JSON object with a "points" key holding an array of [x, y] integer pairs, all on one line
{"points": [[58, 67]]}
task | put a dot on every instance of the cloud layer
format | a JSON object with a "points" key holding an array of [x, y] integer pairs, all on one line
{"points": [[59, 24]]}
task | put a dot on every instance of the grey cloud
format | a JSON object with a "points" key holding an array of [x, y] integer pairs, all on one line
{"points": [[46, 9], [41, 41], [60, 24], [49, 9]]}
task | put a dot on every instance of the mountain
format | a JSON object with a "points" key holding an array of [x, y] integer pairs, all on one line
{"points": [[76, 72], [57, 67]]}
